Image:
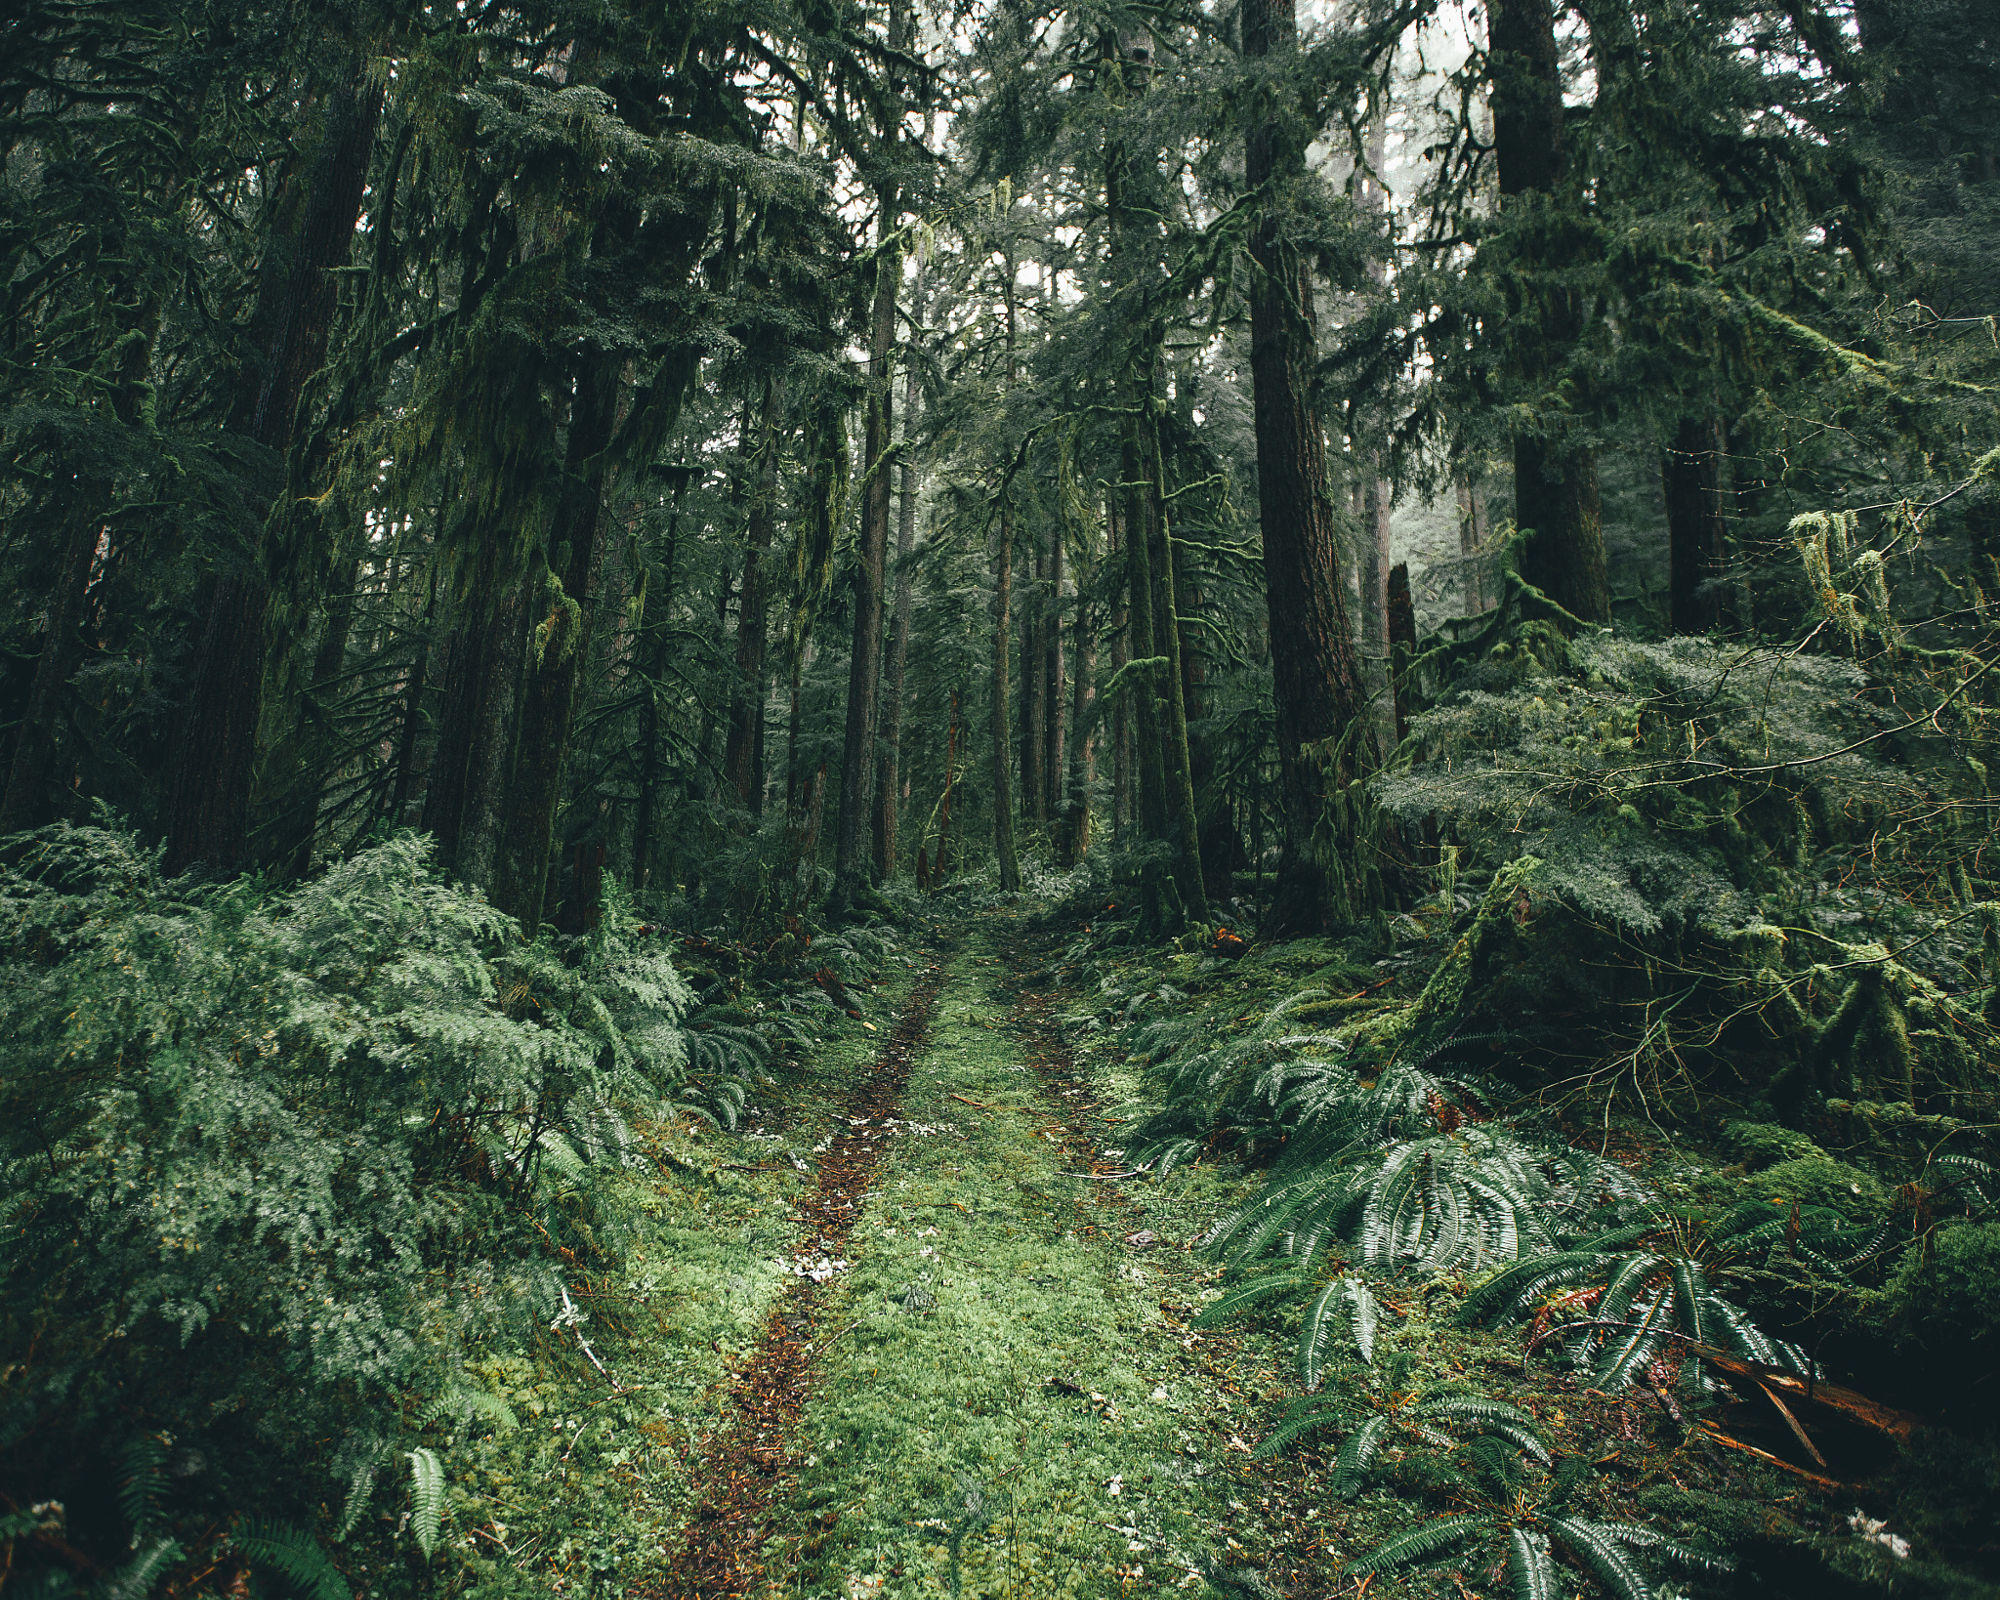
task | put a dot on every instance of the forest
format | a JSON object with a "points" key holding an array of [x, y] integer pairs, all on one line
{"points": [[874, 799]]}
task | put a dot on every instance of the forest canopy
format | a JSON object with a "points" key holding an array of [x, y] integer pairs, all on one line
{"points": [[545, 540]]}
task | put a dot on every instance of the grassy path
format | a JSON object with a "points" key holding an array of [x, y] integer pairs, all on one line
{"points": [[749, 1462], [1000, 1396]]}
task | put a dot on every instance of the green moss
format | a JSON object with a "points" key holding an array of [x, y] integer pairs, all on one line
{"points": [[1765, 1144], [1819, 1180], [1947, 1298], [591, 1493], [1043, 1415]]}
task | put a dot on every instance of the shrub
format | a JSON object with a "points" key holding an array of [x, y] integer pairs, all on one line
{"points": [[271, 1159]]}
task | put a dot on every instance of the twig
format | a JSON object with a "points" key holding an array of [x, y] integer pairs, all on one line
{"points": [[570, 1317], [1710, 1430], [1792, 1422], [983, 1106]]}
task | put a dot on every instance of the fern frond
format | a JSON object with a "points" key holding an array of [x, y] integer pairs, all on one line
{"points": [[1529, 1567], [1345, 1306], [426, 1498], [1251, 1292], [1630, 1349], [135, 1579], [1302, 1417], [296, 1556], [1654, 1542], [368, 1464], [1425, 1542], [1604, 1556], [1489, 1416], [1357, 1454], [459, 1404], [142, 1478], [1513, 1289]]}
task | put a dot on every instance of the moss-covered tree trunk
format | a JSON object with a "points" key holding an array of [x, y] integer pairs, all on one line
{"points": [[1182, 824], [1034, 701], [1003, 754], [1697, 535], [1052, 676], [1316, 677], [741, 767], [1121, 654], [559, 614], [889, 736], [864, 674], [1555, 476]]}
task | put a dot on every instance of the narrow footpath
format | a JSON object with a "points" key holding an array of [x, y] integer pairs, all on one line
{"points": [[993, 1391]]}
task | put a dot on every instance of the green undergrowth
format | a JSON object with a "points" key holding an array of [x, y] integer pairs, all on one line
{"points": [[1011, 1405], [1184, 1043], [590, 1494]]}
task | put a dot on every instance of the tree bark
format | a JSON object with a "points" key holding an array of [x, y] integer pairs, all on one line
{"points": [[1003, 631], [413, 714], [1082, 751], [1316, 678], [864, 673], [889, 737], [649, 707], [1402, 647], [489, 756], [1471, 542], [34, 745], [1121, 653], [1183, 825], [207, 804], [1697, 535], [1052, 676], [741, 767], [563, 617], [1034, 801], [1375, 565], [1555, 479]]}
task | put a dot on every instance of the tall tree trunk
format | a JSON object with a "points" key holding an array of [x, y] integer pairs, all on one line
{"points": [[741, 766], [1697, 536], [649, 706], [562, 628], [1555, 479], [889, 737], [34, 745], [1143, 697], [1034, 801], [1052, 676], [864, 674], [1121, 653], [1471, 542], [1082, 750], [1003, 755], [1316, 678], [1183, 827], [1402, 647], [1375, 497], [489, 756], [413, 713], [1374, 574], [208, 793]]}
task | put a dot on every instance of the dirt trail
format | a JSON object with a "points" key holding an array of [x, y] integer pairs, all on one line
{"points": [[744, 1476]]}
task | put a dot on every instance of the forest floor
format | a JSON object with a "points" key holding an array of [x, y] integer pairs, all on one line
{"points": [[915, 1330]]}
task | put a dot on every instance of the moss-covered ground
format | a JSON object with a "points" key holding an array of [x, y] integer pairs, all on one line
{"points": [[1008, 1397], [587, 1496]]}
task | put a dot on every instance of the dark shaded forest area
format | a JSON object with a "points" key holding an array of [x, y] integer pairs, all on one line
{"points": [[1376, 616]]}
